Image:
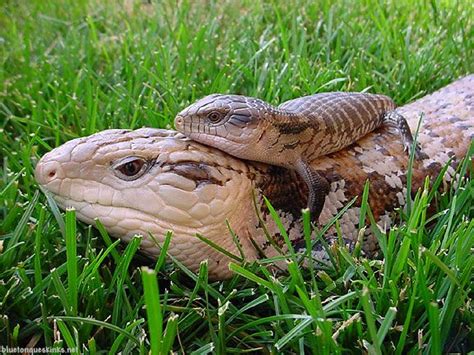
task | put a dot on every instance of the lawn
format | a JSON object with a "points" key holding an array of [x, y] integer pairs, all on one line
{"points": [[72, 68]]}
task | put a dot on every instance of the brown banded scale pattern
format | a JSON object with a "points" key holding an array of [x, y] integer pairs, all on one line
{"points": [[292, 135], [306, 127]]}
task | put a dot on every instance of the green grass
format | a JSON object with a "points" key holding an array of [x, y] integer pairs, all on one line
{"points": [[71, 68]]}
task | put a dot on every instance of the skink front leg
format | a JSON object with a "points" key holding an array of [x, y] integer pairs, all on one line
{"points": [[318, 188]]}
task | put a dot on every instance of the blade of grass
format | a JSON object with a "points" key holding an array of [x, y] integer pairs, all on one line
{"points": [[153, 310], [386, 324], [72, 346], [98, 323], [72, 287], [433, 316], [372, 330]]}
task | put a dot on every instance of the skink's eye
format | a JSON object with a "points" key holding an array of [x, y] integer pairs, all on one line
{"points": [[130, 168], [214, 116]]}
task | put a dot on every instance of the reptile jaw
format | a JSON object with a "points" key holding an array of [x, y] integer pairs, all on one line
{"points": [[188, 189], [222, 143]]}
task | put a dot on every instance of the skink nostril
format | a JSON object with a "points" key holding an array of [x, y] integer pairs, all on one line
{"points": [[47, 171], [178, 122]]}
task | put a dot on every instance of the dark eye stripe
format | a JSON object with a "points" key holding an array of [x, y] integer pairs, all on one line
{"points": [[241, 118]]}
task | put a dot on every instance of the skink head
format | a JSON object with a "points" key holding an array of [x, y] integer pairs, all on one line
{"points": [[111, 157], [226, 122], [150, 181]]}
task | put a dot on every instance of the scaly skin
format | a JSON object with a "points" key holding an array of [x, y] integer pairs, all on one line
{"points": [[292, 135], [307, 127], [191, 188]]}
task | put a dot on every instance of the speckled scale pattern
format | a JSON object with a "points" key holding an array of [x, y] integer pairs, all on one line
{"points": [[192, 188]]}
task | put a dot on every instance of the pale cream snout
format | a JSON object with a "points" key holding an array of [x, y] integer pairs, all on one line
{"points": [[48, 170]]}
